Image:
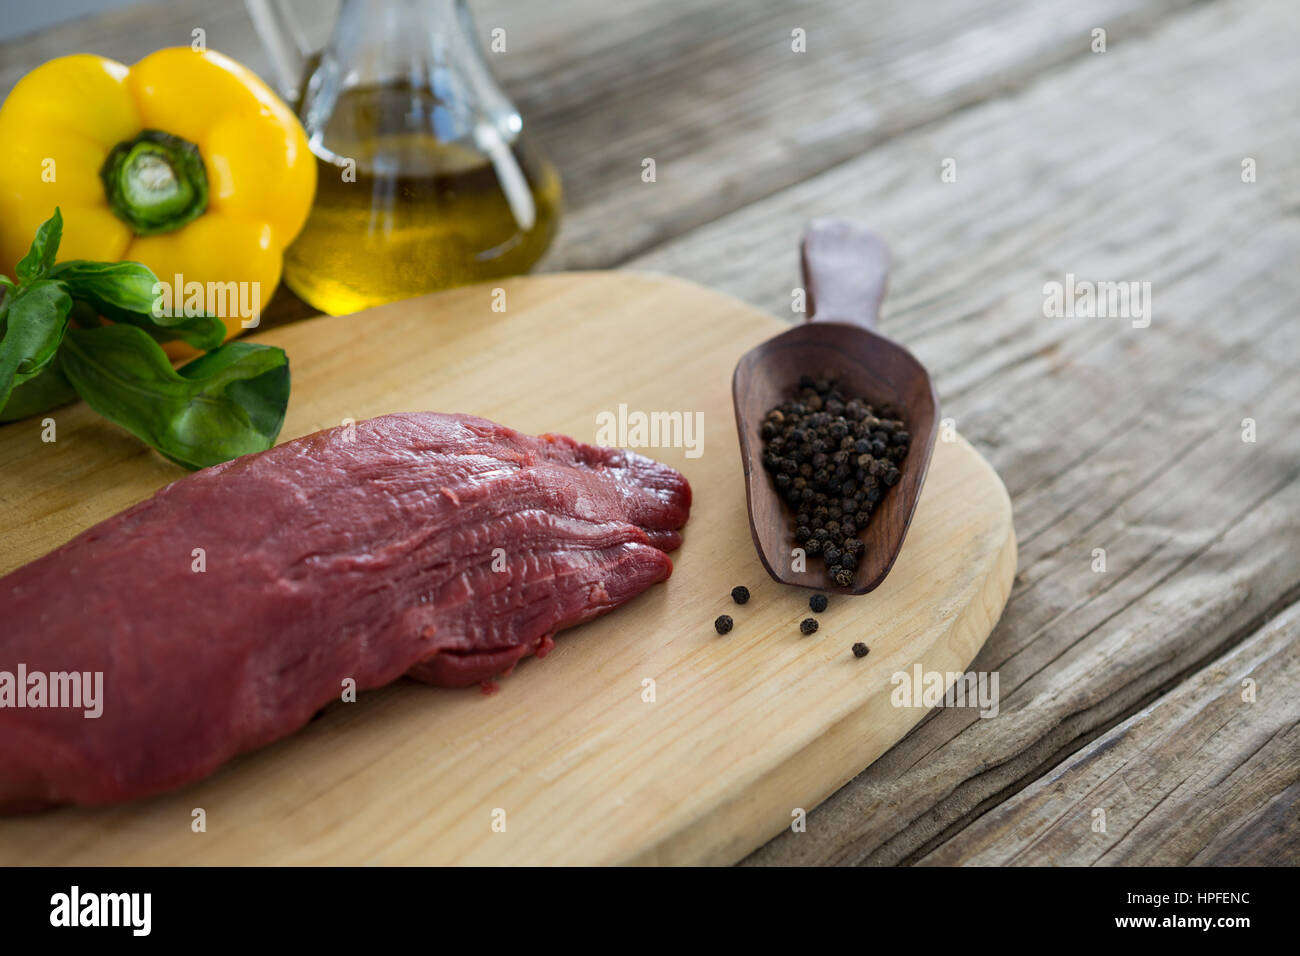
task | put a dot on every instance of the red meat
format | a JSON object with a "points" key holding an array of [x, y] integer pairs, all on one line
{"points": [[443, 546]]}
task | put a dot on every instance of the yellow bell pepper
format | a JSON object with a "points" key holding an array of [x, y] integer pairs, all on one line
{"points": [[186, 162]]}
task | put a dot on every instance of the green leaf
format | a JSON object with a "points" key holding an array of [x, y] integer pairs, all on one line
{"points": [[121, 285], [45, 246], [226, 403], [36, 318], [200, 331], [47, 390], [125, 292]]}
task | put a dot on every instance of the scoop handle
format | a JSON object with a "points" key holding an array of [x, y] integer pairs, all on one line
{"points": [[845, 271]]}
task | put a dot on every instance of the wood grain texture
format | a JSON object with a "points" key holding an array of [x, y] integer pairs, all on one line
{"points": [[742, 730], [1109, 436], [712, 91], [1205, 774], [1123, 165]]}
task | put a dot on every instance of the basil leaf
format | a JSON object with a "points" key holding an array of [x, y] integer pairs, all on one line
{"points": [[226, 403], [124, 292], [201, 331], [47, 390], [40, 256], [122, 285], [36, 316]]}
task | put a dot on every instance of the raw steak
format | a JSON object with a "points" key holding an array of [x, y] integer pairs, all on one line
{"points": [[443, 546]]}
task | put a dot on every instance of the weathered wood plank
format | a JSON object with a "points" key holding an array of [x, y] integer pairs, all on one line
{"points": [[1107, 435], [1207, 774], [711, 90], [955, 766], [714, 94]]}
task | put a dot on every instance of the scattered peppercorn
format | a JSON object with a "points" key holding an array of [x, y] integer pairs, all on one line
{"points": [[833, 456], [723, 624], [818, 602], [860, 650], [740, 594], [807, 626]]}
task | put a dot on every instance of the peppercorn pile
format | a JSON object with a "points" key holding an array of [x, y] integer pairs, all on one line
{"points": [[832, 457]]}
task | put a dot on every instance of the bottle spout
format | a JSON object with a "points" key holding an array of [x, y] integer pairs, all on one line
{"points": [[284, 41]]}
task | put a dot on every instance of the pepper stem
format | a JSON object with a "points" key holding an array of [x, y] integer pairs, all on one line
{"points": [[155, 182]]}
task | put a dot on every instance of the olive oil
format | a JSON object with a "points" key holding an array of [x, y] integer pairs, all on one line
{"points": [[400, 211]]}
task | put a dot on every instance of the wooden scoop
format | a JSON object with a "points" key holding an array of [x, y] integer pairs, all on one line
{"points": [[845, 269]]}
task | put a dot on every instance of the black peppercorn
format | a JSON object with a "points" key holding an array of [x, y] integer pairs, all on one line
{"points": [[833, 456], [817, 602], [723, 624], [740, 594], [860, 650], [807, 626]]}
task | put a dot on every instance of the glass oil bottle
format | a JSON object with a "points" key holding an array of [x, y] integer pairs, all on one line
{"points": [[425, 179]]}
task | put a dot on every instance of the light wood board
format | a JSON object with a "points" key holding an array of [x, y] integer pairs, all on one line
{"points": [[743, 730]]}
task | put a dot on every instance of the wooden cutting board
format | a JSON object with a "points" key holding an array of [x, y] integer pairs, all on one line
{"points": [[644, 737]]}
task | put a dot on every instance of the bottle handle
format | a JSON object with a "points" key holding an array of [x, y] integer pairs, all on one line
{"points": [[284, 42], [845, 270]]}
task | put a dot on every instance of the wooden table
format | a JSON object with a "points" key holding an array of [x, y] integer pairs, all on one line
{"points": [[1149, 660]]}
